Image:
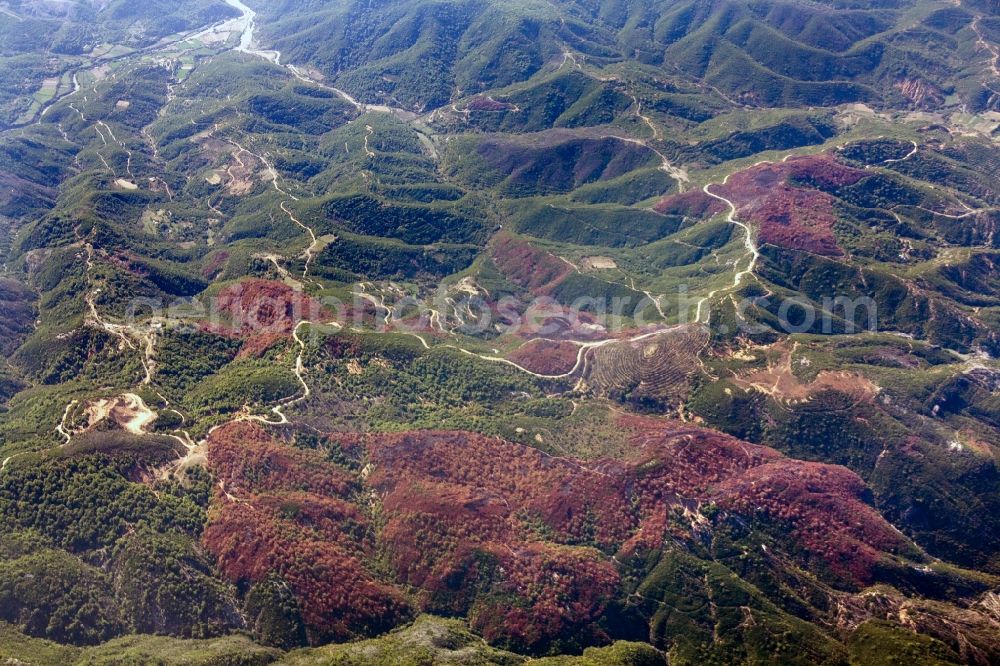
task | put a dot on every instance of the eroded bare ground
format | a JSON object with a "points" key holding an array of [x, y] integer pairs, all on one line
{"points": [[780, 381], [126, 412]]}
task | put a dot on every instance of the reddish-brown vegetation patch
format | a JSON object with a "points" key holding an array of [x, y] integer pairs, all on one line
{"points": [[262, 312], [555, 590], [266, 306], [694, 204], [485, 103], [527, 266], [546, 357], [464, 514], [680, 459], [575, 503], [796, 219], [247, 459], [545, 317], [823, 506], [519, 541], [774, 197], [445, 492], [821, 171], [256, 346], [214, 264], [282, 513], [338, 597]]}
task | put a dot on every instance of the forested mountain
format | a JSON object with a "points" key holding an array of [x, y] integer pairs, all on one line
{"points": [[422, 54], [594, 332]]}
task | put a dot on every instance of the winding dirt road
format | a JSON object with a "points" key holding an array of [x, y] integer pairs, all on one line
{"points": [[751, 248]]}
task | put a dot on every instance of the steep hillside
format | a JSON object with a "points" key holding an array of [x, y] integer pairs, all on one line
{"points": [[420, 55], [464, 332]]}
